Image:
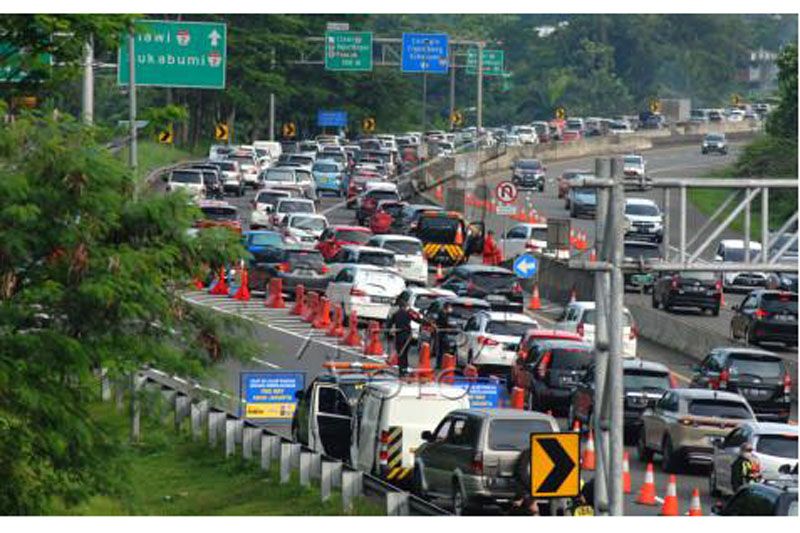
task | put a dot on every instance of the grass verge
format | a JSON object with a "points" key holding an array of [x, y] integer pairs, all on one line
{"points": [[169, 474], [152, 155]]}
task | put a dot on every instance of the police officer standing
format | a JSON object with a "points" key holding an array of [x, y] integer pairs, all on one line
{"points": [[442, 325], [399, 326]]}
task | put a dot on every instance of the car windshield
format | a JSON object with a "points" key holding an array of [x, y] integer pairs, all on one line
{"points": [[186, 177], [493, 281], [699, 276], [639, 379], [565, 357], [514, 435], [404, 247], [714, 138], [529, 164], [265, 239], [590, 315], [464, 311], [633, 160], [279, 175], [219, 213], [736, 255], [242, 159], [326, 167], [511, 329], [383, 195], [635, 251], [438, 229], [754, 365], [719, 409], [783, 302], [357, 237], [539, 234], [228, 166], [424, 301], [646, 210], [778, 446], [376, 258], [396, 210], [270, 197], [585, 193], [295, 207], [308, 223]]}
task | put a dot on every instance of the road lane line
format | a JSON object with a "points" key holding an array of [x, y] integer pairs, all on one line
{"points": [[265, 363]]}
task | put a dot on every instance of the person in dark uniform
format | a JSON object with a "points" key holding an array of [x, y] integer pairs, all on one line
{"points": [[745, 469], [442, 325], [399, 327]]}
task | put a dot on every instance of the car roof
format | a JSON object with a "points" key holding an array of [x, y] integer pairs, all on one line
{"points": [[395, 237], [214, 203], [708, 394], [261, 232], [745, 350], [554, 334], [304, 200], [483, 269], [500, 316], [639, 201], [360, 249], [273, 191], [772, 428], [739, 243], [307, 215], [373, 268], [466, 300], [587, 304], [346, 227], [530, 225], [644, 365], [503, 413]]}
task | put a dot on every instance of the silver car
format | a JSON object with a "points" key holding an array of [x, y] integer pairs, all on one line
{"points": [[471, 457]]}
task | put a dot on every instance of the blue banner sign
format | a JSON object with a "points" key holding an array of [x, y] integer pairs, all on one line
{"points": [[331, 118], [425, 52], [271, 396], [484, 393]]}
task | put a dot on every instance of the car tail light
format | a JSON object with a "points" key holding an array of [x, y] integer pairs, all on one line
{"points": [[718, 285], [787, 384], [724, 376], [760, 314], [477, 463], [486, 341], [580, 329], [634, 333], [383, 454], [357, 292], [324, 269], [545, 364], [673, 381], [675, 281], [516, 288], [284, 267]]}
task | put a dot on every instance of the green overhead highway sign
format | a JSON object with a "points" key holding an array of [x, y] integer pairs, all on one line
{"points": [[16, 67], [176, 54], [492, 62], [348, 50]]}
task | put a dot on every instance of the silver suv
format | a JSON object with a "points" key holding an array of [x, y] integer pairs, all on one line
{"points": [[471, 457]]}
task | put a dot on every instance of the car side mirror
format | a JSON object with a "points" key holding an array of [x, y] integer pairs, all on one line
{"points": [[164, 177], [427, 436]]}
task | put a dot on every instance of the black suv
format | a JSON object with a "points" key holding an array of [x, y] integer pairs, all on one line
{"points": [[644, 382], [463, 308], [766, 315], [295, 266], [759, 376], [702, 290], [761, 499], [498, 286], [528, 174], [639, 253]]}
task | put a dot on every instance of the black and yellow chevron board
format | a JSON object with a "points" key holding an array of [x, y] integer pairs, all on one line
{"points": [[455, 251], [394, 460]]}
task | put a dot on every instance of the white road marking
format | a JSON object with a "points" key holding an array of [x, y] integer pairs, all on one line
{"points": [[265, 363]]}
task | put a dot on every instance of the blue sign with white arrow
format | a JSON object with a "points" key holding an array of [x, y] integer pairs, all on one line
{"points": [[425, 52], [525, 266]]}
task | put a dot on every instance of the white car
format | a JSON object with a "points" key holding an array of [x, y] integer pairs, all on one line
{"points": [[304, 228], [189, 181], [248, 166], [419, 299], [231, 176], [580, 318], [526, 134], [774, 445], [490, 340], [353, 254], [634, 165], [409, 259], [265, 200], [733, 251], [278, 176], [524, 238], [285, 206], [368, 290], [218, 152], [645, 220], [376, 185]]}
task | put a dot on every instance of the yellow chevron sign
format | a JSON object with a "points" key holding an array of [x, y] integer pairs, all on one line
{"points": [[455, 251]]}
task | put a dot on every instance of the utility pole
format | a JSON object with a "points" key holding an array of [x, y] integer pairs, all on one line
{"points": [[452, 58], [132, 105], [87, 95], [424, 99], [272, 103], [479, 120]]}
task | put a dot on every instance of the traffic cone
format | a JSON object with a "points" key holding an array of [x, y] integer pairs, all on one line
{"points": [[647, 494], [459, 238], [695, 509], [439, 273], [576, 426], [572, 238], [374, 345], [721, 299], [353, 338], [313, 308], [448, 368], [670, 507], [221, 287], [587, 457], [393, 359], [439, 194], [573, 296], [536, 301], [424, 365], [626, 473], [243, 292], [198, 284], [323, 318], [337, 327], [592, 255], [518, 398], [275, 300], [299, 307]]}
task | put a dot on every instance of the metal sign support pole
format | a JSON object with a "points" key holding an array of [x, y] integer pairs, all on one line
{"points": [[87, 95], [272, 104], [764, 224], [747, 229], [452, 61], [424, 99], [667, 221], [479, 118], [132, 106]]}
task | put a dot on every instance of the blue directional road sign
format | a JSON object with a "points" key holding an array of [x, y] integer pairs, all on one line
{"points": [[525, 266], [331, 118], [425, 52]]}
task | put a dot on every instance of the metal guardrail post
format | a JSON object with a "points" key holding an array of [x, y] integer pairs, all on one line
{"points": [[182, 410], [230, 437], [397, 504], [295, 456], [199, 418]]}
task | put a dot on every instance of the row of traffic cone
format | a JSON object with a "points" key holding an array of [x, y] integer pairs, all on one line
{"points": [[532, 217], [578, 239], [669, 507]]}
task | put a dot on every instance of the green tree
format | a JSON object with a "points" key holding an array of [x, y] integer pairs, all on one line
{"points": [[783, 121]]}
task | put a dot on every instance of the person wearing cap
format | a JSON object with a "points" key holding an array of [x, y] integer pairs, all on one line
{"points": [[399, 327], [745, 469]]}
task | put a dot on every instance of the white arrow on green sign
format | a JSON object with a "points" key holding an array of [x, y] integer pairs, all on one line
{"points": [[492, 62], [348, 50], [176, 54]]}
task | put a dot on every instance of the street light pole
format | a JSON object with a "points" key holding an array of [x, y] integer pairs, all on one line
{"points": [[87, 95], [424, 99], [479, 119], [272, 104], [132, 105]]}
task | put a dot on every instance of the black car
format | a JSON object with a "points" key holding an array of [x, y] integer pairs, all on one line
{"points": [[498, 286], [761, 499], [643, 382], [766, 316], [639, 253], [759, 376], [582, 202], [701, 290], [463, 309], [553, 368], [295, 266], [528, 174]]}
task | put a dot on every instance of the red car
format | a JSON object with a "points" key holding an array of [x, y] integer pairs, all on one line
{"points": [[528, 341], [571, 135], [333, 238]]}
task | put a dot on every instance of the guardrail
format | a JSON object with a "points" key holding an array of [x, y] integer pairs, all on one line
{"points": [[217, 414]]}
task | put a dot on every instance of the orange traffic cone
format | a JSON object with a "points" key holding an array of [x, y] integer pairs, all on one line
{"points": [[588, 457], [626, 473], [721, 299], [647, 494], [312, 308], [448, 368], [573, 296], [459, 238], [670, 507], [576, 426], [592, 255], [353, 338], [536, 301], [424, 365], [439, 273], [694, 508], [439, 194], [337, 327], [243, 292], [518, 398], [299, 307], [373, 346], [275, 299], [323, 318], [221, 287], [572, 238]]}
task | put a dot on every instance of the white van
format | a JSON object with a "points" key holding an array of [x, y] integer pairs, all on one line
{"points": [[390, 417], [409, 259]]}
